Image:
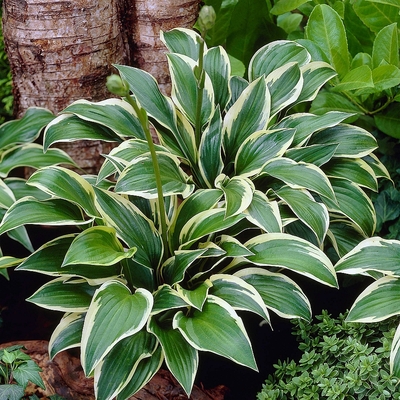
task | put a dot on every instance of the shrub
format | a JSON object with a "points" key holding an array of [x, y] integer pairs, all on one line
{"points": [[340, 360]]}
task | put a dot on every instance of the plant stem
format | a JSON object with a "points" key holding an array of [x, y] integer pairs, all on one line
{"points": [[144, 121], [200, 89]]}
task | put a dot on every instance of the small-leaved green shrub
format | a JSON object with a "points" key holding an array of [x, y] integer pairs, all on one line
{"points": [[17, 369], [340, 360], [175, 239]]}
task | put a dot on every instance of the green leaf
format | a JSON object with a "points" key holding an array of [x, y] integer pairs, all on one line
{"points": [[182, 41], [352, 141], [28, 371], [378, 301], [293, 253], [113, 315], [376, 15], [238, 293], [329, 101], [31, 155], [114, 114], [354, 203], [250, 113], [11, 392], [325, 27], [300, 176], [65, 184], [317, 154], [67, 334], [357, 78], [385, 77], [311, 213], [279, 293], [386, 46], [284, 6], [275, 55], [138, 178], [132, 227], [184, 90], [218, 329], [25, 129], [166, 298], [264, 213], [238, 192], [261, 147], [182, 358], [112, 375], [50, 212], [306, 124], [97, 245], [372, 254], [66, 296], [68, 128], [388, 120], [394, 354]]}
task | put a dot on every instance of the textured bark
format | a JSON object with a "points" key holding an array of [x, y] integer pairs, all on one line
{"points": [[60, 51], [148, 18]]}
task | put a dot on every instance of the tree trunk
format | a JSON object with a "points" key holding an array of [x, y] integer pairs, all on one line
{"points": [[60, 51], [148, 18]]}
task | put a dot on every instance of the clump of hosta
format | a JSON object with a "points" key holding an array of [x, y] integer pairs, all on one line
{"points": [[178, 238]]}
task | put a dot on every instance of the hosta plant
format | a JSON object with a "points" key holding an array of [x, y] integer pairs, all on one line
{"points": [[176, 238]]}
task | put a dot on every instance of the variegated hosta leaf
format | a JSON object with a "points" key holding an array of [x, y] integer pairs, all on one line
{"points": [[285, 85], [377, 166], [315, 75], [353, 141], [316, 154], [260, 147], [237, 85], [119, 157], [210, 155], [279, 293], [199, 201], [354, 169], [20, 189], [218, 329], [166, 298], [264, 213], [372, 254], [31, 155], [218, 67], [182, 41], [7, 197], [65, 184], [238, 293], [395, 354], [205, 223], [293, 253], [138, 179], [273, 55], [306, 124], [378, 301], [300, 176], [67, 334], [238, 192], [6, 262], [146, 369], [115, 114], [66, 296], [48, 260], [25, 129], [49, 212], [68, 128], [181, 358], [173, 270], [132, 227], [114, 314], [97, 245], [184, 92], [250, 113], [354, 204], [197, 296], [315, 215], [112, 375]]}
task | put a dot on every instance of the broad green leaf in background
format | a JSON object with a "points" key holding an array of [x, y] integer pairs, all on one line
{"points": [[284, 6], [322, 23], [386, 46], [388, 120], [357, 78]]}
